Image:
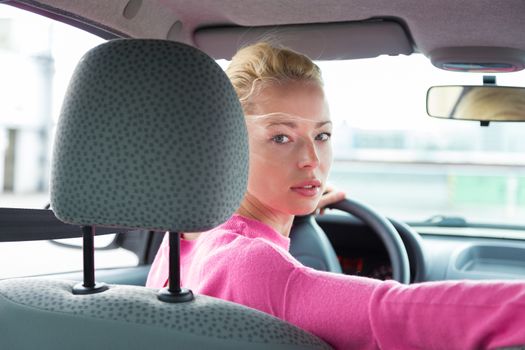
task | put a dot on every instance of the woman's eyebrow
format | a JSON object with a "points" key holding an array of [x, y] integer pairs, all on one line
{"points": [[293, 125], [318, 125]]}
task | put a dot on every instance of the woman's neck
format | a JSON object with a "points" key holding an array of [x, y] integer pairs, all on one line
{"points": [[254, 209]]}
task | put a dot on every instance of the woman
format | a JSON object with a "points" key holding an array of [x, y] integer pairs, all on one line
{"points": [[246, 259]]}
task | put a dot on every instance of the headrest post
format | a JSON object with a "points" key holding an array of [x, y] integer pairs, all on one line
{"points": [[174, 293], [89, 286], [88, 240]]}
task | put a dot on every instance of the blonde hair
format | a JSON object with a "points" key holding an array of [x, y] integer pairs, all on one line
{"points": [[492, 103], [256, 65]]}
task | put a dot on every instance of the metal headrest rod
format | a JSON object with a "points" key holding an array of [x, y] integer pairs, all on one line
{"points": [[174, 293], [89, 286]]}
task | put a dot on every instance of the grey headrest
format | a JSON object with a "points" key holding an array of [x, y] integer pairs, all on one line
{"points": [[151, 135]]}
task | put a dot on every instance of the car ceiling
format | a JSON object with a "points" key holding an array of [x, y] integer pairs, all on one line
{"points": [[426, 25]]}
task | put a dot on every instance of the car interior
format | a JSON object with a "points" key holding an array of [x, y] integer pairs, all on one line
{"points": [[123, 168]]}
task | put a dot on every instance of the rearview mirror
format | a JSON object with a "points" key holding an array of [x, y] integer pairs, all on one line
{"points": [[482, 103]]}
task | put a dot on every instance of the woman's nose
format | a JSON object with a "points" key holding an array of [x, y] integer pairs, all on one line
{"points": [[309, 157]]}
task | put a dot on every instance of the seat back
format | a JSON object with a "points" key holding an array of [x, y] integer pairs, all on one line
{"points": [[151, 136], [44, 314]]}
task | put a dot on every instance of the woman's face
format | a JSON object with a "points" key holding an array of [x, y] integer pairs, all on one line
{"points": [[289, 133]]}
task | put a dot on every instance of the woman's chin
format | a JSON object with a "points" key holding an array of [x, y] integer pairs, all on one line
{"points": [[303, 211]]}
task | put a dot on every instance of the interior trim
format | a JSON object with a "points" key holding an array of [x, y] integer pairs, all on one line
{"points": [[69, 18], [471, 232], [17, 225]]}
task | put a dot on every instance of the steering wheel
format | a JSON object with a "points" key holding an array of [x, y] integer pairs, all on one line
{"points": [[382, 226]]}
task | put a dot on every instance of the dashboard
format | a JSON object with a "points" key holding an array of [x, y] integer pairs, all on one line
{"points": [[368, 266], [448, 253]]}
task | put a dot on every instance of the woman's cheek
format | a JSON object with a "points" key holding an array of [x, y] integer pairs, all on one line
{"points": [[271, 154], [263, 165], [329, 158], [325, 155]]}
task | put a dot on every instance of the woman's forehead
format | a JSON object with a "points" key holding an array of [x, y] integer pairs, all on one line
{"points": [[295, 100]]}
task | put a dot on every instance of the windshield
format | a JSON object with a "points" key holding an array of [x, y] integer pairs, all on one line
{"points": [[390, 155]]}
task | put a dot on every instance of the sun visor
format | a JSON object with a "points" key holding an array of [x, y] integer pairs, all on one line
{"points": [[334, 41]]}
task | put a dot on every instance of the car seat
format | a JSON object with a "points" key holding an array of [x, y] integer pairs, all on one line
{"points": [[151, 136]]}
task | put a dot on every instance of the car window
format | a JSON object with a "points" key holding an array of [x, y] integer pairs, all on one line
{"points": [[389, 154], [37, 57]]}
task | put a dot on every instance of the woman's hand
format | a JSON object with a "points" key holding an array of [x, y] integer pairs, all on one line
{"points": [[329, 196]]}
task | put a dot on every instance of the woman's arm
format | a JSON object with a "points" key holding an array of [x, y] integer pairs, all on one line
{"points": [[450, 314], [361, 313], [358, 312]]}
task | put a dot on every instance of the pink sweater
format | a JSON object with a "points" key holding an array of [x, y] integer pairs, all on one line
{"points": [[247, 262]]}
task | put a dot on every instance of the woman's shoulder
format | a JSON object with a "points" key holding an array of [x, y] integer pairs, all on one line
{"points": [[247, 240], [260, 254]]}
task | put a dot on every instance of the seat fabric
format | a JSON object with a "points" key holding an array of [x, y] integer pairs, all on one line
{"points": [[44, 314]]}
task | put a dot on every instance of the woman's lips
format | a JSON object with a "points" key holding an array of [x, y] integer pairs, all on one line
{"points": [[307, 188]]}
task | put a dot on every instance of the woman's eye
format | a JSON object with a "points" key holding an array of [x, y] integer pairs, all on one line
{"points": [[281, 139], [324, 136]]}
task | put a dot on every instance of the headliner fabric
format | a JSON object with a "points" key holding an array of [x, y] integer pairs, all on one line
{"points": [[431, 24], [151, 135]]}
